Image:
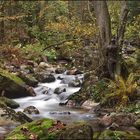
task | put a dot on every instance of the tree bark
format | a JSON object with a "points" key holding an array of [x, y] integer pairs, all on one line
{"points": [[120, 35], [104, 25], [2, 23]]}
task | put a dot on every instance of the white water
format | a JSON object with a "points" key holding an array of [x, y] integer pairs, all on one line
{"points": [[48, 104]]}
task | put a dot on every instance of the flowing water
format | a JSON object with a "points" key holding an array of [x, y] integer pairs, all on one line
{"points": [[48, 103]]}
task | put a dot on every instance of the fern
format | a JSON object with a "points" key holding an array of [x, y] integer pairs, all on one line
{"points": [[122, 90]]}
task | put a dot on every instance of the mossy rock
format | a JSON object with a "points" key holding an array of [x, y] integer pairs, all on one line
{"points": [[118, 135], [79, 131], [46, 129], [37, 128], [29, 79], [9, 102], [12, 85], [137, 124]]}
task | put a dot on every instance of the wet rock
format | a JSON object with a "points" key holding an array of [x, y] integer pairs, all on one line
{"points": [[9, 113], [45, 78], [30, 91], [60, 113], [66, 80], [31, 110], [23, 118], [73, 72], [75, 83], [60, 78], [59, 70], [9, 102], [12, 86], [71, 103], [89, 104], [59, 90], [79, 131]]}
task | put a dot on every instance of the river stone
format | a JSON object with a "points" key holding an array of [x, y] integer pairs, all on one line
{"points": [[9, 102], [43, 65], [59, 90], [73, 72], [79, 131], [75, 83], [59, 70], [31, 110], [9, 113], [60, 113], [45, 78], [89, 104]]}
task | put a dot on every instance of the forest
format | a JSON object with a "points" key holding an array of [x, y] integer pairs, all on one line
{"points": [[69, 69]]}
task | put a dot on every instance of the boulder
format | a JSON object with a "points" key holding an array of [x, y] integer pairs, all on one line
{"points": [[45, 78], [9, 113], [120, 119], [12, 86], [48, 129], [79, 131], [59, 90], [9, 102], [44, 129], [31, 110]]}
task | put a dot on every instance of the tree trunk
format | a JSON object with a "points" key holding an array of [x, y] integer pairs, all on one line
{"points": [[120, 34], [104, 25], [2, 23]]}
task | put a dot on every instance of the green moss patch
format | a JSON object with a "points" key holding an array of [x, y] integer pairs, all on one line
{"points": [[10, 76], [38, 129]]}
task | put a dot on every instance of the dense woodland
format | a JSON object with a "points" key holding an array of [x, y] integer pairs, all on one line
{"points": [[84, 54]]}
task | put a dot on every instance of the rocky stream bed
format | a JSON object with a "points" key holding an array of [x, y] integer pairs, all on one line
{"points": [[46, 112]]}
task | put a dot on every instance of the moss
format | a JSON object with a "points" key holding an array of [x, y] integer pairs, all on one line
{"points": [[38, 127], [117, 135], [76, 131], [17, 137], [137, 124], [11, 76], [96, 135]]}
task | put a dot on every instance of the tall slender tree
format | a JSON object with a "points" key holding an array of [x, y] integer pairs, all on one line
{"points": [[105, 35]]}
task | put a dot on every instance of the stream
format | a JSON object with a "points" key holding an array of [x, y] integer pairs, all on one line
{"points": [[48, 103]]}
